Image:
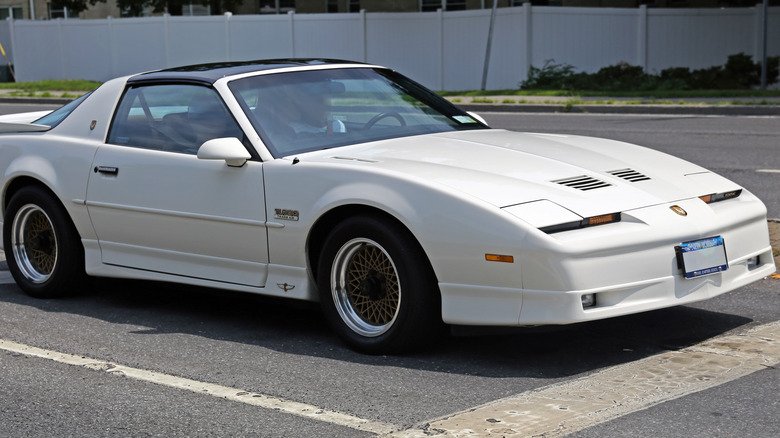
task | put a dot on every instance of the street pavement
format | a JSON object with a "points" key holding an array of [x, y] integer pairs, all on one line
{"points": [[720, 106], [449, 391]]}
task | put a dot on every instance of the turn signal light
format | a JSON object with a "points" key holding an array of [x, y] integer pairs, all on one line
{"points": [[603, 219], [587, 222], [717, 197], [499, 258]]}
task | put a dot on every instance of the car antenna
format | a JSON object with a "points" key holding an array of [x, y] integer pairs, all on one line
{"points": [[296, 161]]}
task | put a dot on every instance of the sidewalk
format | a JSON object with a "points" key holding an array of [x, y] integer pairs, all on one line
{"points": [[722, 106], [769, 106]]}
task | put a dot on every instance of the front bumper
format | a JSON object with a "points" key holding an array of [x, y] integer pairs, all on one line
{"points": [[630, 266]]}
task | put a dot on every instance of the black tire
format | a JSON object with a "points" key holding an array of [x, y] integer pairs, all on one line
{"points": [[377, 289], [42, 248]]}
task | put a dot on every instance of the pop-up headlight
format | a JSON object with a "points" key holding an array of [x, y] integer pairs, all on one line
{"points": [[550, 217]]}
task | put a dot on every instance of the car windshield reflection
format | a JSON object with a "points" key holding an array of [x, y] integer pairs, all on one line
{"points": [[304, 111]]}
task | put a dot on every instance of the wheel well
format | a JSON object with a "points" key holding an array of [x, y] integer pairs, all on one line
{"points": [[324, 224], [21, 182], [26, 181]]}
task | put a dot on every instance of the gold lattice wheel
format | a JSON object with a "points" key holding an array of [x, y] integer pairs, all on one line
{"points": [[365, 287], [34, 243]]}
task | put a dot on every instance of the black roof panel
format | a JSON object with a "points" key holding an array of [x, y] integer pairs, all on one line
{"points": [[210, 73]]}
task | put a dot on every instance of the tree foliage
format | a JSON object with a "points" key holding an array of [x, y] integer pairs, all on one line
{"points": [[135, 8]]}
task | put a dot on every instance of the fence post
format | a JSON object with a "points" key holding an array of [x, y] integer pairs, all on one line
{"points": [[641, 40], [167, 26], [529, 37], [365, 34], [111, 51], [440, 14], [60, 44], [228, 55], [291, 16], [11, 32]]}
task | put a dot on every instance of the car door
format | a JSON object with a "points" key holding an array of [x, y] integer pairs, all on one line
{"points": [[156, 207]]}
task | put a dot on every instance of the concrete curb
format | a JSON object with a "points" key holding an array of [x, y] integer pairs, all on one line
{"points": [[703, 110]]}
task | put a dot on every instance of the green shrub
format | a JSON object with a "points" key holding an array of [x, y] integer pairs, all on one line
{"points": [[739, 72], [550, 76]]}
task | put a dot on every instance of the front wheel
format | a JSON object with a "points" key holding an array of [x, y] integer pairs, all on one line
{"points": [[376, 287], [42, 248]]}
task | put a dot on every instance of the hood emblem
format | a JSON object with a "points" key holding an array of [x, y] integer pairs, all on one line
{"points": [[679, 210]]}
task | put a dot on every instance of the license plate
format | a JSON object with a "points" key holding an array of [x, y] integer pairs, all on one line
{"points": [[702, 257]]}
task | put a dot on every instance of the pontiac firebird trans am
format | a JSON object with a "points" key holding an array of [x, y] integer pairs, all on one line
{"points": [[350, 184]]}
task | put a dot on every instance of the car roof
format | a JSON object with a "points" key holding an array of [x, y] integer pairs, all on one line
{"points": [[210, 73]]}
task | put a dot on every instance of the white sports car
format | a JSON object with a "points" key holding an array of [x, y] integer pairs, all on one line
{"points": [[350, 184]]}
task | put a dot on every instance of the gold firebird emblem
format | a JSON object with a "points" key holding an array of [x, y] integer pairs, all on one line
{"points": [[286, 287], [679, 210]]}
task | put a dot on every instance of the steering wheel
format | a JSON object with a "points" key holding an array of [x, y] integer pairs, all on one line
{"points": [[381, 116]]}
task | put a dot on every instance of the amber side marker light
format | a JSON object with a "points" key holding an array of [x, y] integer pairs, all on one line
{"points": [[717, 197], [499, 258]]}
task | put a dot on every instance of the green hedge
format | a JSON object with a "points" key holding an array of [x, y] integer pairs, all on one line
{"points": [[740, 72]]}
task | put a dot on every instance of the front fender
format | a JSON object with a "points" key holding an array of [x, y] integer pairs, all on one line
{"points": [[456, 231]]}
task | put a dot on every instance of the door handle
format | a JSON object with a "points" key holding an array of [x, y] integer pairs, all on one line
{"points": [[109, 170]]}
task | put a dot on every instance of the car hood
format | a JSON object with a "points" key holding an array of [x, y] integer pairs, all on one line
{"points": [[589, 176]]}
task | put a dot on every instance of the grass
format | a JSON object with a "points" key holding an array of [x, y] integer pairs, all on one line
{"points": [[665, 97], [656, 94], [48, 86]]}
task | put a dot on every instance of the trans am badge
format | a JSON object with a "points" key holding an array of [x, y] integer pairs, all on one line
{"points": [[285, 214]]}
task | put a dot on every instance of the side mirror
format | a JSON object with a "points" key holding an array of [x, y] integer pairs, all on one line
{"points": [[229, 149]]}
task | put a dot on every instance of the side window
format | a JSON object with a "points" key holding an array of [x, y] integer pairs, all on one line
{"points": [[174, 118]]}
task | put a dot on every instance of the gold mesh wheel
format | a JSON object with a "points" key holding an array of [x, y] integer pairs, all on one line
{"points": [[365, 287], [34, 243]]}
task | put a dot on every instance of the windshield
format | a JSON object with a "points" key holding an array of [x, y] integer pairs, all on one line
{"points": [[304, 111], [55, 117]]}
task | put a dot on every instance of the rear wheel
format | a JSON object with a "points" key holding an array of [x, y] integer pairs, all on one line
{"points": [[376, 287], [42, 248]]}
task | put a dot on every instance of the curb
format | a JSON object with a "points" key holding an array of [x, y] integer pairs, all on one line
{"points": [[703, 110]]}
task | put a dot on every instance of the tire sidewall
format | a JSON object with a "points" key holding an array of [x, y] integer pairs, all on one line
{"points": [[419, 294], [69, 267]]}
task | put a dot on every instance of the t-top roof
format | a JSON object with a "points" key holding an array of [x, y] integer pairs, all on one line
{"points": [[210, 73]]}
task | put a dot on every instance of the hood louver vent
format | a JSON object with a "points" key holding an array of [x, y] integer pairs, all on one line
{"points": [[583, 182], [629, 175]]}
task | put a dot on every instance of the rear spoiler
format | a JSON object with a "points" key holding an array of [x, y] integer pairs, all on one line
{"points": [[6, 127], [22, 122]]}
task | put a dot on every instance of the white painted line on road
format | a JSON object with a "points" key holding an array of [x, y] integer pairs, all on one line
{"points": [[551, 411], [565, 408], [224, 392], [768, 170]]}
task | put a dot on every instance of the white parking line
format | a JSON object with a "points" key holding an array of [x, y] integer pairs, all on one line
{"points": [[224, 392], [768, 170], [571, 406], [551, 411]]}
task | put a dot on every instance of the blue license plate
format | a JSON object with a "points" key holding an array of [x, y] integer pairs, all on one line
{"points": [[702, 257]]}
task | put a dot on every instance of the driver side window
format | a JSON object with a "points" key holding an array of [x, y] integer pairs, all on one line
{"points": [[174, 118]]}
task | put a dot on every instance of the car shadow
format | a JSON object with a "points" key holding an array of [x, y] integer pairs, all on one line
{"points": [[298, 328]]}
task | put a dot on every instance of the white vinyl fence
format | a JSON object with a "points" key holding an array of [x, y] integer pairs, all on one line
{"points": [[443, 50]]}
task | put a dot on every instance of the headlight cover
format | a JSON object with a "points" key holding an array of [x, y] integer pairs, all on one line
{"points": [[550, 217]]}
